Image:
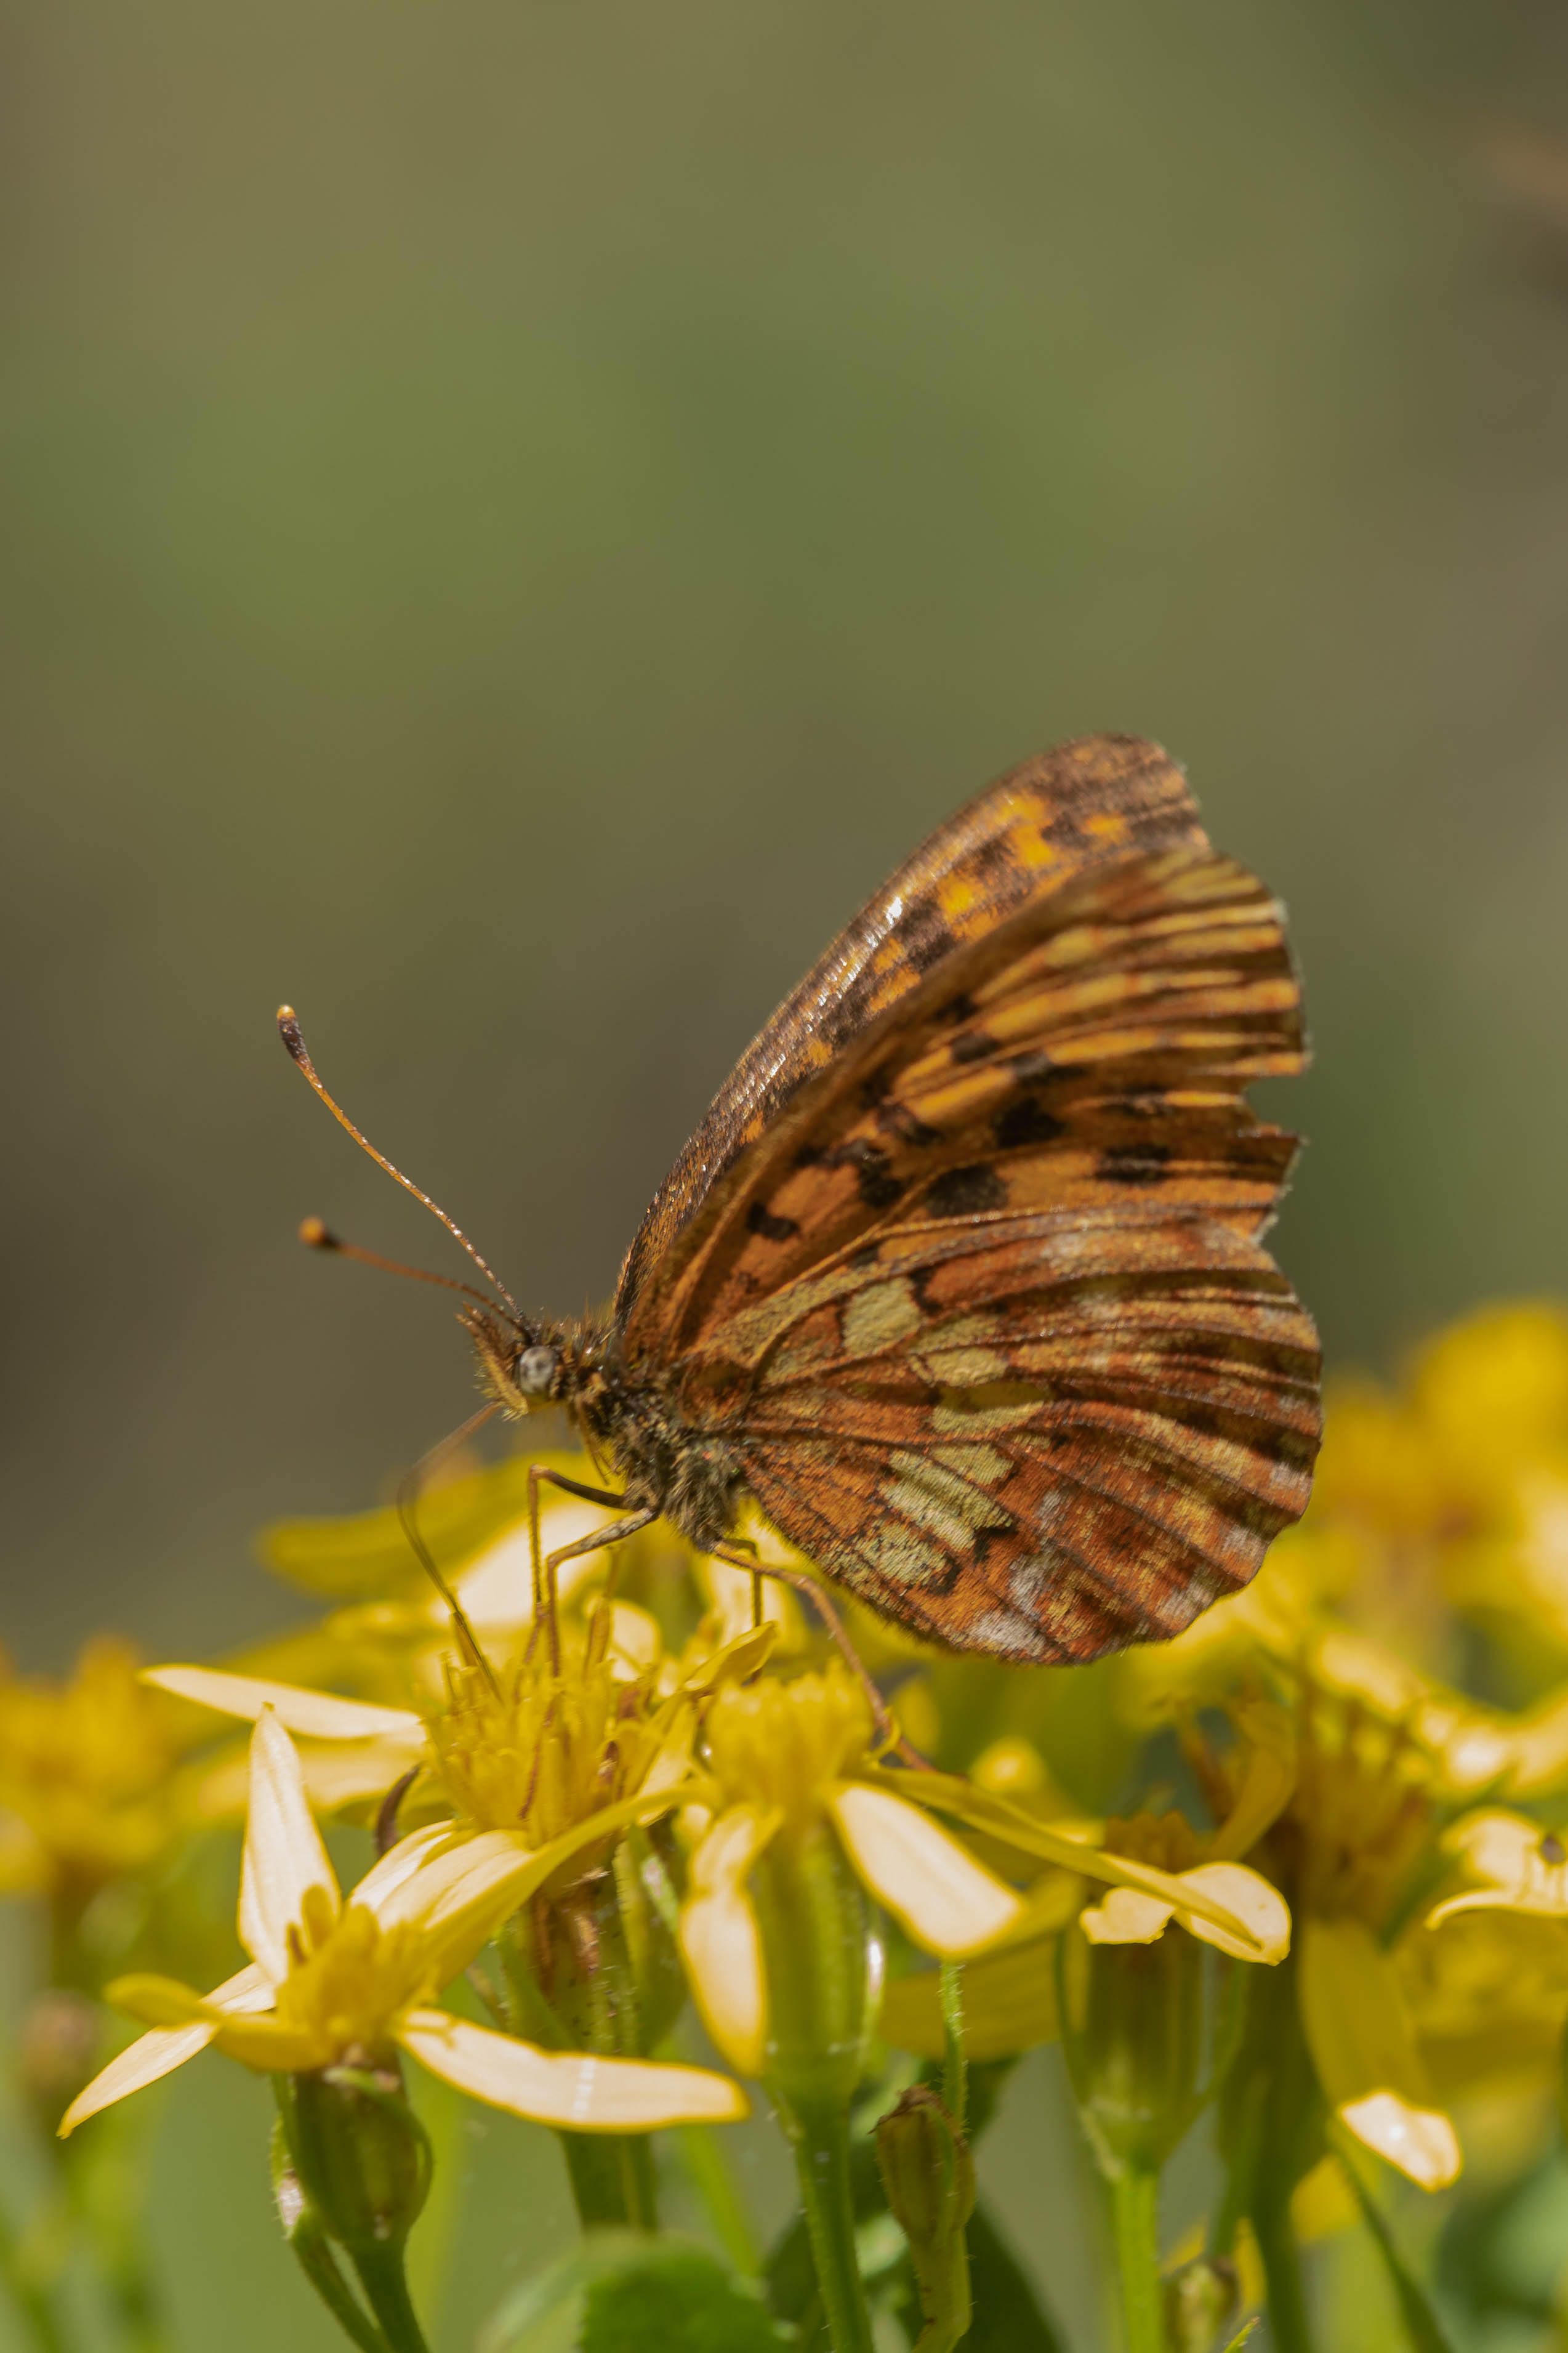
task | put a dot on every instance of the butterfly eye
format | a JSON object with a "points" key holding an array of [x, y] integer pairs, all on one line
{"points": [[534, 1371]]}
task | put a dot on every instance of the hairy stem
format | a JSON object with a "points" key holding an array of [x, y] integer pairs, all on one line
{"points": [[821, 2141]]}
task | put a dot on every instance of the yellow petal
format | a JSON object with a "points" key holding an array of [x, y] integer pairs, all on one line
{"points": [[400, 1862], [1524, 1865], [719, 1941], [1125, 1917], [737, 1658], [1420, 2141], [267, 2043], [1267, 1781], [316, 1715], [1364, 2053], [155, 2000], [572, 2089], [1257, 1923], [284, 1857], [933, 1887], [167, 2047], [637, 1643], [1072, 1847], [463, 1888]]}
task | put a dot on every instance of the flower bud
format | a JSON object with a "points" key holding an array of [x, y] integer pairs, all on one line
{"points": [[929, 2176], [1200, 2299], [1132, 2038], [360, 2154]]}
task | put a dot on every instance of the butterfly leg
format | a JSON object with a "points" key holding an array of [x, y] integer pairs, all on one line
{"points": [[539, 1476], [886, 1729], [599, 1541]]}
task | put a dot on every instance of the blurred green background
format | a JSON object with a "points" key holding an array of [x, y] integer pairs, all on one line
{"points": [[516, 516]]}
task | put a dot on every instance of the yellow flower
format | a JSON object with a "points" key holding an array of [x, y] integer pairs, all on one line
{"points": [[1010, 1993], [330, 1984], [89, 1786], [533, 1749], [785, 1758]]}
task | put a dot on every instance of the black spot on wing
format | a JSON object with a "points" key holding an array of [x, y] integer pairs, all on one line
{"points": [[897, 1119], [923, 935], [1133, 1163], [969, 1192], [1025, 1121], [761, 1219], [972, 1046], [878, 1186], [1034, 1064]]}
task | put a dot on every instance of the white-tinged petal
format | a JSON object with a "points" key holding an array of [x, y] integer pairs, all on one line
{"points": [[153, 2055], [1258, 1928], [637, 1643], [573, 2090], [948, 1901], [1364, 2052], [341, 1773], [496, 1588], [720, 1941], [1125, 1917], [399, 1862], [315, 1715], [463, 1888], [1420, 2141], [1070, 1845], [284, 1857]]}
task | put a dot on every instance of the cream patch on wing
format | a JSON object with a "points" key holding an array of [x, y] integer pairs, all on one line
{"points": [[938, 1501], [878, 1317]]}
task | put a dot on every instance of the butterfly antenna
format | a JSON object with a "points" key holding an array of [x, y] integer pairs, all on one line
{"points": [[288, 1030], [316, 1234]]}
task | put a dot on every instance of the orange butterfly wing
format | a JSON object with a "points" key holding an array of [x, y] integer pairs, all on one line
{"points": [[962, 1264]]}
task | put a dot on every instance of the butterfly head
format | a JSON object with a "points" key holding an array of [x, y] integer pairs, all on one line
{"points": [[521, 1367]]}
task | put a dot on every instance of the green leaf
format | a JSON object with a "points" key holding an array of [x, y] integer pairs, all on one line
{"points": [[620, 2292], [1007, 2313], [676, 2300]]}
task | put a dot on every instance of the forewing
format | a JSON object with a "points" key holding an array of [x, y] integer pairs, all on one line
{"points": [[1087, 1052], [1055, 818]]}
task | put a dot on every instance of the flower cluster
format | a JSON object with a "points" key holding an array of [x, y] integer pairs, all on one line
{"points": [[640, 1848]]}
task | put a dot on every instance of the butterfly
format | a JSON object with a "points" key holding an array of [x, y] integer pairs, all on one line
{"points": [[961, 1277]]}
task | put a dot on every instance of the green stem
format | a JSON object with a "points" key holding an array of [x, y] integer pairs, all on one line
{"points": [[386, 2292], [1135, 2207], [613, 2182], [315, 2257], [1282, 2271], [821, 2140], [955, 2065], [614, 2185]]}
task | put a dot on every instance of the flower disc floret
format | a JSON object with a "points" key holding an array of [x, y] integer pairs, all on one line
{"points": [[784, 1745]]}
